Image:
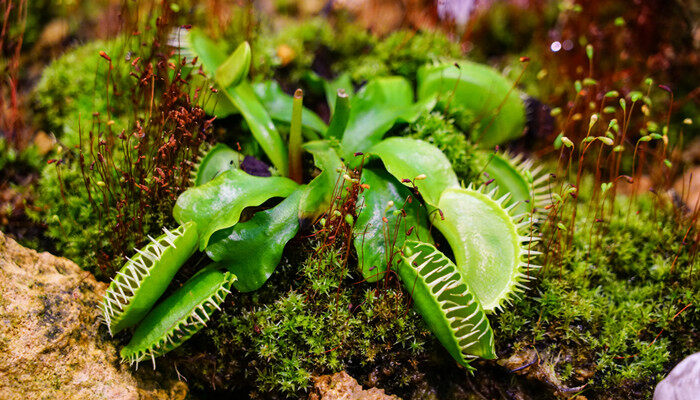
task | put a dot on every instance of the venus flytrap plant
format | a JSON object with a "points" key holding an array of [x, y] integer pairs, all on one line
{"points": [[480, 89], [145, 276], [517, 175], [449, 307], [498, 248], [179, 316], [402, 186]]}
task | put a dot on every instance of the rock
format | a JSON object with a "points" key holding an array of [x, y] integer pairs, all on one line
{"points": [[683, 383], [51, 345], [342, 386], [688, 188]]}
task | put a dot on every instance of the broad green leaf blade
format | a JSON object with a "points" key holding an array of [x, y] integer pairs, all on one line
{"points": [[216, 160], [219, 106], [242, 97], [376, 108], [318, 193], [209, 54], [407, 158], [260, 124], [484, 239], [251, 250], [235, 68], [218, 204], [480, 89], [377, 242], [279, 105], [446, 303]]}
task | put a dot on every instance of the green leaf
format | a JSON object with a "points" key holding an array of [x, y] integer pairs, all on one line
{"points": [[219, 106], [209, 54], [372, 235], [235, 68], [216, 160], [242, 97], [318, 193], [145, 277], [446, 302], [218, 204], [251, 250], [279, 105], [482, 90], [376, 108], [408, 159], [260, 124], [512, 176]]}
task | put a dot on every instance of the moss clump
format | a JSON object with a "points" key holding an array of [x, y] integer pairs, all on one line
{"points": [[63, 204], [436, 128], [610, 300], [27, 159], [312, 320], [313, 44], [401, 53], [331, 49], [129, 147], [78, 84]]}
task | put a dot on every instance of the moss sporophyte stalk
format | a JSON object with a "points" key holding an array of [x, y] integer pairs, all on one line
{"points": [[399, 184]]}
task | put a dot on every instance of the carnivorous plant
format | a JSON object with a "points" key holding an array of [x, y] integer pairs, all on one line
{"points": [[406, 186]]}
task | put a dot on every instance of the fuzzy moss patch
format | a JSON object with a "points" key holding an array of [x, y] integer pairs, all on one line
{"points": [[440, 130], [77, 85], [330, 49], [610, 303], [312, 320], [402, 53], [62, 203]]}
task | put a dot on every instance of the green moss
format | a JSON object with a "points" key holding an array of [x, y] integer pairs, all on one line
{"points": [[320, 323], [74, 86], [28, 159], [331, 49], [401, 53], [610, 298], [434, 127], [99, 213], [62, 203]]}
